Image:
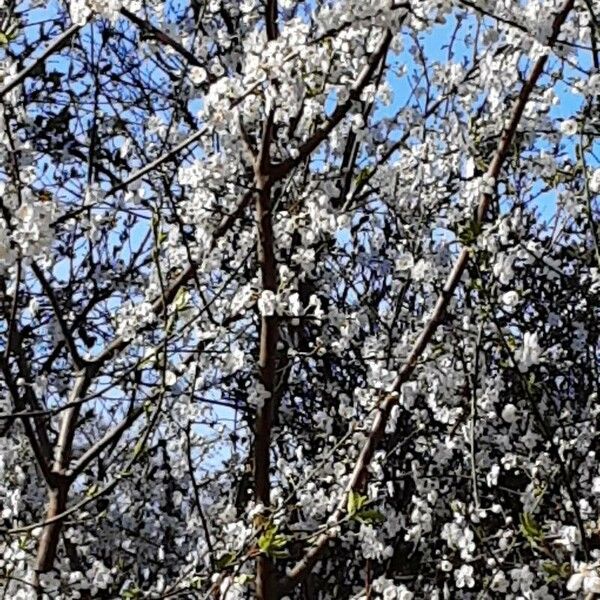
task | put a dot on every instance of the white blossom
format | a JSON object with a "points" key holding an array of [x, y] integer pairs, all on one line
{"points": [[510, 413], [569, 127], [529, 353]]}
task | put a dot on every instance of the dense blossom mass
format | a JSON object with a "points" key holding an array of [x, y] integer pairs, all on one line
{"points": [[299, 299]]}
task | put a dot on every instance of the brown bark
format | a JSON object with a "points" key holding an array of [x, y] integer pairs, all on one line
{"points": [[267, 365], [59, 484], [48, 544], [267, 359]]}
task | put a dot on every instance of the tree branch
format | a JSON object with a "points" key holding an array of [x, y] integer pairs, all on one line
{"points": [[162, 37], [64, 328], [113, 435], [271, 18], [267, 361], [360, 472], [59, 484], [282, 169], [58, 43]]}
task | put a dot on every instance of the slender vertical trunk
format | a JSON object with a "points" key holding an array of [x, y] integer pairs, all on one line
{"points": [[58, 488], [267, 363], [57, 504]]}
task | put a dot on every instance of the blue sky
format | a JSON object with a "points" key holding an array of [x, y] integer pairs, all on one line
{"points": [[435, 48]]}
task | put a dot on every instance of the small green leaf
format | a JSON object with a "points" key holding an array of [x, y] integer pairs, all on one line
{"points": [[362, 176], [226, 560], [556, 571], [272, 543], [480, 164], [132, 593], [355, 503], [181, 299], [91, 490], [370, 516], [531, 530], [139, 447]]}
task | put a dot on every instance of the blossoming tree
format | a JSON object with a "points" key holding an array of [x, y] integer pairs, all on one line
{"points": [[299, 299]]}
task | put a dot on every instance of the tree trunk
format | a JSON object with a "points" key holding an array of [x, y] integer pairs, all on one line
{"points": [[57, 504]]}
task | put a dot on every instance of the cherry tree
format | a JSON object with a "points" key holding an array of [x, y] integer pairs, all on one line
{"points": [[299, 299]]}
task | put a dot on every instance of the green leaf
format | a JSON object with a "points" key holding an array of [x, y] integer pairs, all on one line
{"points": [[139, 447], [181, 299], [91, 490], [469, 232], [3, 39], [363, 175], [272, 543], [480, 164], [532, 383], [370, 516], [531, 530], [556, 571], [355, 503], [226, 560]]}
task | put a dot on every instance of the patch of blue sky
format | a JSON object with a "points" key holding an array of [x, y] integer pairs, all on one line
{"points": [[436, 46]]}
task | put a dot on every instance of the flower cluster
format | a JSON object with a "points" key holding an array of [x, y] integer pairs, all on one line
{"points": [[299, 299]]}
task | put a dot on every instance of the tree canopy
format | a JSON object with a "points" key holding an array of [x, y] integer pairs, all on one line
{"points": [[299, 299]]}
